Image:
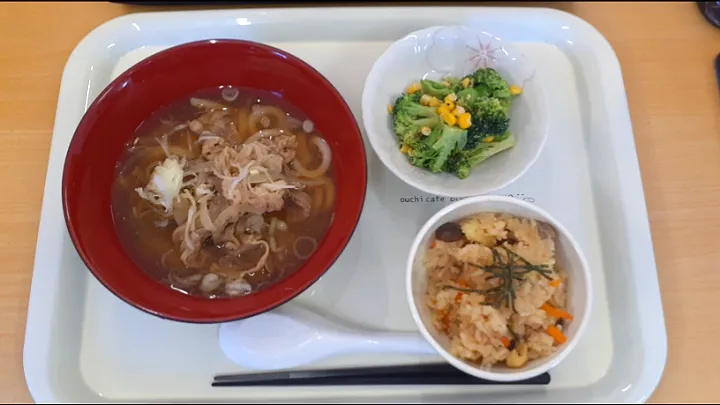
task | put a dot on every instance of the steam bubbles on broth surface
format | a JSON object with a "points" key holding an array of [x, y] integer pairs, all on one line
{"points": [[224, 193]]}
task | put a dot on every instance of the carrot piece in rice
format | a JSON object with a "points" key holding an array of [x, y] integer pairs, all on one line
{"points": [[505, 341], [556, 334], [446, 322], [555, 312], [554, 283]]}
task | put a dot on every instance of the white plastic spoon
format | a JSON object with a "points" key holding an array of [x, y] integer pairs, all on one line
{"points": [[292, 336]]}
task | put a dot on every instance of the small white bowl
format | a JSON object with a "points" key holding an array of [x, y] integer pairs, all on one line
{"points": [[436, 52], [568, 255]]}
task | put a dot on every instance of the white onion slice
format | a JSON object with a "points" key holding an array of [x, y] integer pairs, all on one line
{"points": [[229, 94], [308, 126], [324, 165]]}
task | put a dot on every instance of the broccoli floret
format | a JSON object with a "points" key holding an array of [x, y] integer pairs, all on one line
{"points": [[486, 150], [487, 76], [422, 155], [461, 163], [454, 81], [436, 89], [434, 135], [404, 101], [406, 125], [458, 165], [502, 94], [475, 101], [492, 117], [474, 136], [470, 79], [492, 83], [420, 152], [433, 151], [468, 98], [409, 116], [449, 141], [489, 119]]}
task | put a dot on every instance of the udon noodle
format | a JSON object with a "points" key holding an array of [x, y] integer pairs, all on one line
{"points": [[225, 192]]}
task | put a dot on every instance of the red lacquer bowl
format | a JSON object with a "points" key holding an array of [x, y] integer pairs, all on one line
{"points": [[170, 75]]}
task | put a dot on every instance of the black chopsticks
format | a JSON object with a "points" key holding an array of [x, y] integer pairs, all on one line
{"points": [[420, 374]]}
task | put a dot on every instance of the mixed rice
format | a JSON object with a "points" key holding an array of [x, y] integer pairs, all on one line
{"points": [[488, 320]]}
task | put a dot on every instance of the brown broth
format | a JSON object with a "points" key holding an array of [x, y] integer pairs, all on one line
{"points": [[147, 235]]}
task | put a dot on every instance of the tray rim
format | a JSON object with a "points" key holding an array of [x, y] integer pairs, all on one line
{"points": [[39, 314]]}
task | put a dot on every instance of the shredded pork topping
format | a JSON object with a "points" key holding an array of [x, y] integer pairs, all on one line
{"points": [[232, 186], [228, 182]]}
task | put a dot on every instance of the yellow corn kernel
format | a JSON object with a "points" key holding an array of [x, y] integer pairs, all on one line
{"points": [[515, 90], [445, 83], [450, 105], [449, 119], [458, 111], [465, 83], [425, 99], [489, 139], [434, 102], [404, 149], [451, 98], [414, 88], [443, 109], [410, 151], [465, 121], [426, 131], [390, 109]]}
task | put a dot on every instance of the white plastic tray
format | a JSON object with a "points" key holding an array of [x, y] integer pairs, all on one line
{"points": [[83, 344]]}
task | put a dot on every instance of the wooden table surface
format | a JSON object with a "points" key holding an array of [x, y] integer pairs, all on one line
{"points": [[666, 51]]}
